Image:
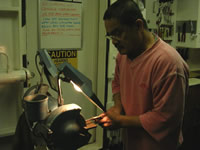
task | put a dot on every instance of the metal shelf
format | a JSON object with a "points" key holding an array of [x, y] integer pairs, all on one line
{"points": [[9, 9]]}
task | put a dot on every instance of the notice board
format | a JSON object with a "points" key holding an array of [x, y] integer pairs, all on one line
{"points": [[60, 24]]}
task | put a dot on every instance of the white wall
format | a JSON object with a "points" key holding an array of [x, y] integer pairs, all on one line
{"points": [[90, 57]]}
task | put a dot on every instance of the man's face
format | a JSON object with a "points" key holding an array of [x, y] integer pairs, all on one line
{"points": [[126, 39]]}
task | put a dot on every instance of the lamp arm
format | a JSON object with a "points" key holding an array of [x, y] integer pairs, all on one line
{"points": [[60, 98]]}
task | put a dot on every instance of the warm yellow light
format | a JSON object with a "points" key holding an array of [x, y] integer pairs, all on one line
{"points": [[76, 87]]}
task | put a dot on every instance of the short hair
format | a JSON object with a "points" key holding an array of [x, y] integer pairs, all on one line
{"points": [[126, 12]]}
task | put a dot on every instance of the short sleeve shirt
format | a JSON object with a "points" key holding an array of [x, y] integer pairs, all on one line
{"points": [[153, 86]]}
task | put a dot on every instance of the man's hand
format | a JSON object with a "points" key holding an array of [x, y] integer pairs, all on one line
{"points": [[111, 118]]}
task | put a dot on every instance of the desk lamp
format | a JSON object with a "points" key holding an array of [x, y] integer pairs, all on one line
{"points": [[80, 82]]}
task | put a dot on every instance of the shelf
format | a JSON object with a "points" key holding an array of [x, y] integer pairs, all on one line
{"points": [[194, 67], [194, 74], [194, 81], [10, 130], [15, 76], [13, 9]]}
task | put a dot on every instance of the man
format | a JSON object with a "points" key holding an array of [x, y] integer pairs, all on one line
{"points": [[150, 83]]}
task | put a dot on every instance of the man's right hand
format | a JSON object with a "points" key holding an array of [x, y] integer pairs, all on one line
{"points": [[110, 118]]}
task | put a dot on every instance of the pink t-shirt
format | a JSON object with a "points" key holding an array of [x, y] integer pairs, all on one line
{"points": [[153, 86]]}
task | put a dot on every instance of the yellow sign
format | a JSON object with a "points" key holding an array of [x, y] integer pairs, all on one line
{"points": [[61, 56]]}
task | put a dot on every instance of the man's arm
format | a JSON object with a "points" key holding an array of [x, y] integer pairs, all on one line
{"points": [[114, 117], [117, 102]]}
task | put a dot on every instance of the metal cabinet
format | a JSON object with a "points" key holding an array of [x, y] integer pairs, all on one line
{"points": [[12, 74]]}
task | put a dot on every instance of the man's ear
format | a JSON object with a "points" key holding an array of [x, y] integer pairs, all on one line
{"points": [[140, 24]]}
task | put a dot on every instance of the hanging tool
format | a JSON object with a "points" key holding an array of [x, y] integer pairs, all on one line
{"points": [[179, 33], [183, 36]]}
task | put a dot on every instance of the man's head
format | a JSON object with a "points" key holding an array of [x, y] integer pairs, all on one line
{"points": [[126, 12], [125, 26]]}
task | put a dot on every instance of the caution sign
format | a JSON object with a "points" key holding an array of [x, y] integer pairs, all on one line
{"points": [[61, 56]]}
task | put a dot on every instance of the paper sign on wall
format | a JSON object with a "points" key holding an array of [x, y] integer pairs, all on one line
{"points": [[60, 24]]}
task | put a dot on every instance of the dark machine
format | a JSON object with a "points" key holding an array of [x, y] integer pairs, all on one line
{"points": [[51, 123]]}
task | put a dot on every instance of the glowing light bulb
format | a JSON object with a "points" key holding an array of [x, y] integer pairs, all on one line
{"points": [[76, 87]]}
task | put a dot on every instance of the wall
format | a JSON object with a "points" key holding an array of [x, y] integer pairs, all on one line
{"points": [[91, 62], [90, 57]]}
